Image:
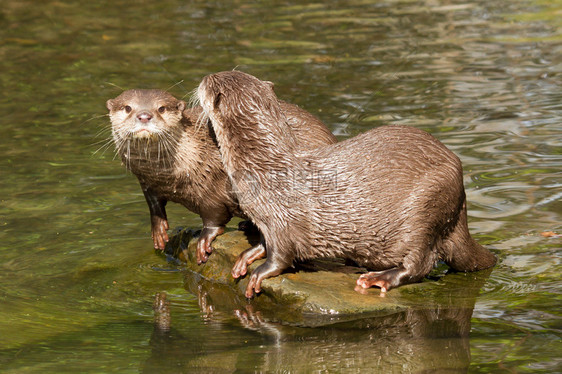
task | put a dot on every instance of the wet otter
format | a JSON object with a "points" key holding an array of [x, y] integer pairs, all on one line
{"points": [[175, 160], [391, 199]]}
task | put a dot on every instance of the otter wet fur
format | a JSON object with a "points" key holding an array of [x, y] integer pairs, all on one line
{"points": [[391, 199], [174, 159]]}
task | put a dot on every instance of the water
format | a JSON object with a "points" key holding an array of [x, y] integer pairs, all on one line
{"points": [[77, 271]]}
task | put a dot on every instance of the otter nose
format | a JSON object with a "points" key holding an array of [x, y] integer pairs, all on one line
{"points": [[144, 117]]}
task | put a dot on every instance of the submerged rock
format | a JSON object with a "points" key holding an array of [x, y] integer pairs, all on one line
{"points": [[422, 327], [319, 292]]}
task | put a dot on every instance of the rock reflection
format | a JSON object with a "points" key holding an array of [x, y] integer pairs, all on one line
{"points": [[431, 338]]}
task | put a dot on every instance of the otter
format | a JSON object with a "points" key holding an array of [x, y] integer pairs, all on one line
{"points": [[391, 199], [158, 140]]}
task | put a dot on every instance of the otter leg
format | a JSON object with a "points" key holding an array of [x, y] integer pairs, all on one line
{"points": [[158, 219], [418, 249], [214, 219], [461, 252], [246, 258], [248, 227], [204, 249], [270, 268]]}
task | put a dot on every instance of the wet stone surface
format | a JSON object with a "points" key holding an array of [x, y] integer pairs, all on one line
{"points": [[316, 293]]}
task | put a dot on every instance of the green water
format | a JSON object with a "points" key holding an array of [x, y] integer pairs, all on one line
{"points": [[77, 268]]}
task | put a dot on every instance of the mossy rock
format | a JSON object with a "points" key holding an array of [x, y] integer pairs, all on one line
{"points": [[319, 292]]}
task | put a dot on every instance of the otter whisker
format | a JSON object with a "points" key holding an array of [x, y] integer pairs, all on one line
{"points": [[146, 149], [119, 145], [193, 98], [128, 154], [201, 121], [105, 134], [105, 146], [158, 158], [106, 139], [114, 85], [174, 85], [167, 147], [93, 118], [102, 132]]}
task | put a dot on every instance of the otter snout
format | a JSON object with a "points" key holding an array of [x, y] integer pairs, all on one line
{"points": [[144, 117]]}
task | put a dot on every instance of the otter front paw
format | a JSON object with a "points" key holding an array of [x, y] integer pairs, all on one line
{"points": [[254, 285], [246, 258], [159, 234], [266, 270], [204, 249]]}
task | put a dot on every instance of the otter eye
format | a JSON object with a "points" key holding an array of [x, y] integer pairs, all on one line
{"points": [[162, 109], [128, 108]]}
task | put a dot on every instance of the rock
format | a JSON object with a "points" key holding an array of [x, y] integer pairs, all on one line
{"points": [[316, 293]]}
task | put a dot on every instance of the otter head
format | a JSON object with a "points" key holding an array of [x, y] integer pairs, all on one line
{"points": [[244, 109], [248, 122], [144, 114], [233, 97]]}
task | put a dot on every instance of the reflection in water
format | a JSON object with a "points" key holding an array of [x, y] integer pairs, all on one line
{"points": [[428, 338], [161, 307]]}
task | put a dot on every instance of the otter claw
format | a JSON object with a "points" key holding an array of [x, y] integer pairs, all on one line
{"points": [[246, 258], [254, 285], [204, 248], [160, 239], [160, 236], [385, 279], [366, 282], [266, 270]]}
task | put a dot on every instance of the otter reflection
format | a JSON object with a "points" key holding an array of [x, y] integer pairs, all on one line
{"points": [[431, 337]]}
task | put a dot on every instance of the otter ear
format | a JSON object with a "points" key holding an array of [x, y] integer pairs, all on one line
{"points": [[217, 100], [181, 105], [271, 85], [109, 104]]}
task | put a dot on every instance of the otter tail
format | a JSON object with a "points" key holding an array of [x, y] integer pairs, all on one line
{"points": [[461, 252]]}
